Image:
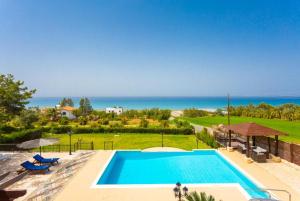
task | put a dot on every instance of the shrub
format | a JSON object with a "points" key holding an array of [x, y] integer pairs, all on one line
{"points": [[194, 113], [82, 120], [182, 124], [20, 136], [144, 123], [185, 131], [63, 121], [60, 129], [205, 137], [7, 129]]}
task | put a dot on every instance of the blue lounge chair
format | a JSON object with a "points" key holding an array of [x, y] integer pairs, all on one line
{"points": [[41, 159], [32, 167]]}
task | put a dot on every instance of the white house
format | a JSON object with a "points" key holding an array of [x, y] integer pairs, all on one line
{"points": [[116, 110], [67, 111]]}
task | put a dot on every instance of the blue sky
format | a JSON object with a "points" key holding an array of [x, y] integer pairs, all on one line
{"points": [[152, 48]]}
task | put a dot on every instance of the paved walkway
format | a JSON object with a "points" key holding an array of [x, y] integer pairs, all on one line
{"points": [[269, 175], [285, 171]]}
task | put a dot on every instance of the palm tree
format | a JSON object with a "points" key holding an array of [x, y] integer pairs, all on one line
{"points": [[194, 196]]}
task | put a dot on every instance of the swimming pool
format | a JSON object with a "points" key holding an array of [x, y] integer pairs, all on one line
{"points": [[195, 167]]}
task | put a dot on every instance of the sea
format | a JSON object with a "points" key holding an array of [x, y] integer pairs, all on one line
{"points": [[173, 103]]}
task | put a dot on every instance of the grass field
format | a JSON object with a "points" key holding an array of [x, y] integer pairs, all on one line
{"points": [[134, 141], [290, 127]]}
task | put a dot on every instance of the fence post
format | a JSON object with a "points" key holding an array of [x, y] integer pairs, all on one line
{"points": [[92, 145]]}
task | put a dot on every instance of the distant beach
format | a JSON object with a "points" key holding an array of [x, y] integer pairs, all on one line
{"points": [[173, 103]]}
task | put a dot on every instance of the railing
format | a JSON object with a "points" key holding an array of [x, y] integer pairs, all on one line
{"points": [[79, 145], [269, 190], [9, 147], [108, 142]]}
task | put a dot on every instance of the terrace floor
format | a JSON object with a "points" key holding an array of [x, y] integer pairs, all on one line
{"points": [[263, 173], [79, 187]]}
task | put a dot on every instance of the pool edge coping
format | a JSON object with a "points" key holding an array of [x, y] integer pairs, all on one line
{"points": [[120, 186]]}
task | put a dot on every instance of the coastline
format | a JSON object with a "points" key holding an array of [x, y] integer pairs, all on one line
{"points": [[173, 103]]}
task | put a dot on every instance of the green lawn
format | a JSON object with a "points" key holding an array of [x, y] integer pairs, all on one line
{"points": [[134, 141], [290, 127]]}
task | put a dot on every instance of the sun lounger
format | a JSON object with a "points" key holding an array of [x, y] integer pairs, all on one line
{"points": [[9, 195], [32, 167], [41, 159]]}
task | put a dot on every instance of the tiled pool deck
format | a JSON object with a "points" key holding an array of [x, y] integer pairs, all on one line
{"points": [[80, 186]]}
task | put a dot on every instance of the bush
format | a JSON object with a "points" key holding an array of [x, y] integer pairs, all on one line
{"points": [[144, 123], [63, 121], [7, 129], [194, 113], [205, 137], [81, 129], [24, 135], [60, 129]]}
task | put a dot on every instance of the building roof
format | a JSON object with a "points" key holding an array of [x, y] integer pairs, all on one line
{"points": [[253, 129], [67, 108]]}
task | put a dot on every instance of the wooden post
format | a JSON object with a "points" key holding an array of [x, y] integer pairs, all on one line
{"points": [[253, 141], [248, 146], [276, 145], [229, 144], [269, 144]]}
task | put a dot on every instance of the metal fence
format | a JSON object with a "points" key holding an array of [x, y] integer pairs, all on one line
{"points": [[52, 148]]}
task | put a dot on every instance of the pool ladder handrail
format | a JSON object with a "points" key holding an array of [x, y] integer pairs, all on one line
{"points": [[266, 190]]}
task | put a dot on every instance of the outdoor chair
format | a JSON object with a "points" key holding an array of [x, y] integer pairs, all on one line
{"points": [[9, 195], [242, 148], [43, 160], [34, 168], [259, 155]]}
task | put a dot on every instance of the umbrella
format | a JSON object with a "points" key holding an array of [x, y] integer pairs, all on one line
{"points": [[37, 143]]}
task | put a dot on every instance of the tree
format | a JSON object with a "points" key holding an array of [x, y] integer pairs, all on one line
{"points": [[164, 123], [13, 95], [85, 106], [28, 117], [144, 123], [82, 120], [51, 113], [66, 102], [194, 196]]}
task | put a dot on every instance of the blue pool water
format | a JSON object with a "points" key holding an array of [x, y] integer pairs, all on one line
{"points": [[197, 167]]}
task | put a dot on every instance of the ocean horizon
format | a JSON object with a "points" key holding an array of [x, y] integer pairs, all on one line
{"points": [[173, 103]]}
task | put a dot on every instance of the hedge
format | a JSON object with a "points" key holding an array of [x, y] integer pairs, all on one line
{"points": [[4, 129], [78, 130], [21, 136]]}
